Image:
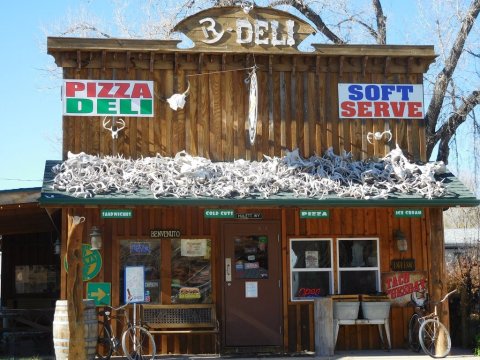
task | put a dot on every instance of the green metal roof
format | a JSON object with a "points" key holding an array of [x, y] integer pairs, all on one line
{"points": [[458, 195]]}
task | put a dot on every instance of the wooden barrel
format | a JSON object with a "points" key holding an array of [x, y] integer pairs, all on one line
{"points": [[61, 333]]}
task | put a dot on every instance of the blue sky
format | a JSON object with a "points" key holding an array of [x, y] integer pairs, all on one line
{"points": [[30, 98]]}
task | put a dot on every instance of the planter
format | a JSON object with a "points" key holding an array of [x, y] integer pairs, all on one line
{"points": [[375, 310], [345, 310]]}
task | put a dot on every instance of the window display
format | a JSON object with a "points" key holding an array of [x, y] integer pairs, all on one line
{"points": [[358, 266], [191, 271], [311, 268], [144, 253]]}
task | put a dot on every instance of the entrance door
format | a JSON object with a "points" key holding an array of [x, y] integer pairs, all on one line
{"points": [[252, 286]]}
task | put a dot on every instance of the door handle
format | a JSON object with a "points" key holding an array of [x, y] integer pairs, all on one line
{"points": [[228, 269]]}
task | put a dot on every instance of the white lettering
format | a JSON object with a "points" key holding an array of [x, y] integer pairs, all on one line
{"points": [[210, 29]]}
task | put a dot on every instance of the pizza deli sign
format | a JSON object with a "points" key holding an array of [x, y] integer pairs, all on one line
{"points": [[399, 101], [107, 98]]}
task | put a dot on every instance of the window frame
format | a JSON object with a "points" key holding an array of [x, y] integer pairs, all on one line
{"points": [[364, 268], [331, 269]]}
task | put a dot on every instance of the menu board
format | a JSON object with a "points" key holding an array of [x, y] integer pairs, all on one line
{"points": [[134, 284]]}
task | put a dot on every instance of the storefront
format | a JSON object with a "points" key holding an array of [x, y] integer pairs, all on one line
{"points": [[241, 219]]}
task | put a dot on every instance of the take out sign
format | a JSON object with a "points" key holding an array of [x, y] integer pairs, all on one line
{"points": [[107, 98], [398, 101]]}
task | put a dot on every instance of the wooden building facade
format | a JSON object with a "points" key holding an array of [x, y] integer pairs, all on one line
{"points": [[298, 108]]}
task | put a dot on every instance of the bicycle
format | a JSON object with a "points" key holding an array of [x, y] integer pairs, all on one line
{"points": [[420, 306], [135, 340], [433, 336]]}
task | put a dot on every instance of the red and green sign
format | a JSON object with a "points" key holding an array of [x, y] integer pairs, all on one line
{"points": [[107, 98]]}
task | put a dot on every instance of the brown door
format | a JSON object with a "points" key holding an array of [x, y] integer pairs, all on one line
{"points": [[252, 286]]}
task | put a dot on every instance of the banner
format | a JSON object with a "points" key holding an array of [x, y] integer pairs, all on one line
{"points": [[384, 101], [107, 98]]}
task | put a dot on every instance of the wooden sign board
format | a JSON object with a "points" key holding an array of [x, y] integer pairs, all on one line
{"points": [[402, 264], [399, 286], [230, 29]]}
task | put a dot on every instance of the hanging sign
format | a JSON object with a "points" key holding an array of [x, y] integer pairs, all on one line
{"points": [[408, 213], [107, 98], [384, 101], [399, 286]]}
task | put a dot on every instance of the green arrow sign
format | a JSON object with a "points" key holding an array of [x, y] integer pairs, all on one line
{"points": [[100, 292]]}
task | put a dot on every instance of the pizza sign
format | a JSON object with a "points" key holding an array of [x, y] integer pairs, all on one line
{"points": [[107, 98]]}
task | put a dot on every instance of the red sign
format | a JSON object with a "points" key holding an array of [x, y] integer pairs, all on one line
{"points": [[399, 286]]}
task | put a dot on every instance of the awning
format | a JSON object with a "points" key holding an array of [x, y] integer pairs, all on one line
{"points": [[457, 195]]}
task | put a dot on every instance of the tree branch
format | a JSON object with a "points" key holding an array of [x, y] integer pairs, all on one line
{"points": [[445, 133], [381, 33], [311, 15], [444, 77]]}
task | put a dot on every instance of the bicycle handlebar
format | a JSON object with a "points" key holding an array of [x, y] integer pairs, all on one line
{"points": [[447, 295]]}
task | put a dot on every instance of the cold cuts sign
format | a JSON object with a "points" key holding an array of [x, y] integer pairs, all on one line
{"points": [[399, 286], [398, 101], [107, 98]]}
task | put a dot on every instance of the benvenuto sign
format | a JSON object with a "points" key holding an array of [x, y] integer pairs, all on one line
{"points": [[399, 101], [107, 98]]}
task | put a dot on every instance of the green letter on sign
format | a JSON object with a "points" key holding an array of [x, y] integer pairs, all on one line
{"points": [[79, 106]]}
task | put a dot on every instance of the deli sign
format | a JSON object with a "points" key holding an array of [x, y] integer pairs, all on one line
{"points": [[384, 101], [107, 98]]}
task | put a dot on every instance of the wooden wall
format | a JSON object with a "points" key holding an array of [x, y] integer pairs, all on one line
{"points": [[298, 316], [298, 104]]}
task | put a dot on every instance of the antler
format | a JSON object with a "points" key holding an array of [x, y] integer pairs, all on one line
{"points": [[114, 129]]}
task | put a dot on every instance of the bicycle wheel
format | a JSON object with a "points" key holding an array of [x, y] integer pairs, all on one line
{"points": [[104, 345], [138, 343], [413, 333], [435, 339]]}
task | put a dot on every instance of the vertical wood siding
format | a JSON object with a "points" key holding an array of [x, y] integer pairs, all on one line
{"points": [[297, 106], [298, 316]]}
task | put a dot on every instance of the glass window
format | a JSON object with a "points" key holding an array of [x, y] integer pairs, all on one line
{"points": [[311, 268], [358, 266], [144, 253], [251, 257], [191, 275]]}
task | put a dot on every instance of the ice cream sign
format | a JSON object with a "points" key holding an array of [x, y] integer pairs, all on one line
{"points": [[107, 98], [384, 101]]}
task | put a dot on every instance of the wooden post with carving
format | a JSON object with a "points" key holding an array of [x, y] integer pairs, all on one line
{"points": [[76, 348]]}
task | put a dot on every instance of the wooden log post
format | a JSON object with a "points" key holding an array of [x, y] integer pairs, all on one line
{"points": [[76, 347], [323, 312], [437, 274]]}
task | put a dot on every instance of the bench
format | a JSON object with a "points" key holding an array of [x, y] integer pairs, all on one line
{"points": [[181, 319]]}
